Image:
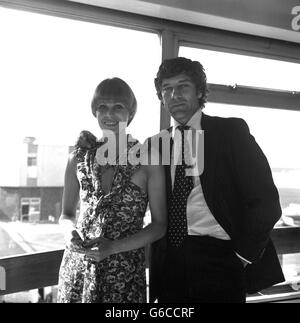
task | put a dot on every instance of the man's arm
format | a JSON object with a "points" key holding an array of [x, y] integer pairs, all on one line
{"points": [[257, 193]]}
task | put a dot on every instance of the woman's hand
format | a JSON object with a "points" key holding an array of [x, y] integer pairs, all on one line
{"points": [[99, 249], [76, 243]]}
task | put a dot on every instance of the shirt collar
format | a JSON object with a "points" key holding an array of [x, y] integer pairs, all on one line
{"points": [[194, 122]]}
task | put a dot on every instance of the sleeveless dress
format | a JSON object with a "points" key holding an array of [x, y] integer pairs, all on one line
{"points": [[119, 278]]}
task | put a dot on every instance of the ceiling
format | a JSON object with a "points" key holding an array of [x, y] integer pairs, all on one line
{"points": [[267, 18]]}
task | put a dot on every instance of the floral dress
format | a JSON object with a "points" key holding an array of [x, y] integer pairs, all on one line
{"points": [[119, 278]]}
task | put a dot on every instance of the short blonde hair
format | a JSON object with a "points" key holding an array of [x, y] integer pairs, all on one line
{"points": [[115, 88]]}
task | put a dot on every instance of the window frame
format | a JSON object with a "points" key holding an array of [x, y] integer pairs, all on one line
{"points": [[176, 34], [173, 35]]}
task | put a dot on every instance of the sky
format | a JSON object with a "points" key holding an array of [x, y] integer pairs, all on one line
{"points": [[50, 67]]}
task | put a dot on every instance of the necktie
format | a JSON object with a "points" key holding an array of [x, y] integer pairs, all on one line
{"points": [[177, 227]]}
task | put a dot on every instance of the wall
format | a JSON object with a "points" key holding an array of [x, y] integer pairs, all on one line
{"points": [[10, 198], [52, 161]]}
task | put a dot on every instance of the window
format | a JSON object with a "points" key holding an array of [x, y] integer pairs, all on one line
{"points": [[276, 131], [50, 68], [31, 161], [30, 209], [231, 69]]}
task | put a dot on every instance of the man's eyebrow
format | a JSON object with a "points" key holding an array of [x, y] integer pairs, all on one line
{"points": [[165, 84], [180, 81], [185, 81]]}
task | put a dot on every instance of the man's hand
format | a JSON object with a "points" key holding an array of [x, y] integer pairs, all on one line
{"points": [[244, 263]]}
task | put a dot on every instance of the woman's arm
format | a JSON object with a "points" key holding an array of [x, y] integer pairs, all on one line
{"points": [[152, 232], [70, 199]]}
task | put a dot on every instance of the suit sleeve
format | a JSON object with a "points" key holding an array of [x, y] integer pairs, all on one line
{"points": [[259, 199]]}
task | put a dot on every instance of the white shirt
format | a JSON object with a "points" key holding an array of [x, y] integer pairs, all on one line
{"points": [[200, 220]]}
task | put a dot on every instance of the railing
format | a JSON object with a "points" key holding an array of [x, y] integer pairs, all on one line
{"points": [[276, 298], [32, 271]]}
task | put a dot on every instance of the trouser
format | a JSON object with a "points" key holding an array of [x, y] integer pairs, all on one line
{"points": [[203, 270]]}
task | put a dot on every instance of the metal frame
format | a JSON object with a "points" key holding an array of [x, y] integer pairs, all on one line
{"points": [[169, 50], [175, 34], [254, 97], [185, 34]]}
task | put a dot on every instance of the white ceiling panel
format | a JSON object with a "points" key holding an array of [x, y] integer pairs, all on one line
{"points": [[267, 18]]}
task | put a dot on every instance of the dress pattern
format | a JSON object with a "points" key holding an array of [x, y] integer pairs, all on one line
{"points": [[119, 278]]}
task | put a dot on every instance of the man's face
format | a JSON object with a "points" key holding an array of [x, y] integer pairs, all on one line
{"points": [[180, 98]]}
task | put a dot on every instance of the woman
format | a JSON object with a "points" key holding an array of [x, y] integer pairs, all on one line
{"points": [[105, 260]]}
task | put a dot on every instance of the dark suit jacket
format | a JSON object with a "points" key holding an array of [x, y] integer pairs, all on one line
{"points": [[239, 191]]}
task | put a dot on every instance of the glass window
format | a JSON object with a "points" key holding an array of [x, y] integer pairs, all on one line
{"points": [[50, 68], [276, 131], [30, 209], [231, 69], [31, 161], [278, 135]]}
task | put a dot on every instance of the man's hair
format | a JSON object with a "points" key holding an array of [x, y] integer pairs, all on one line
{"points": [[181, 65], [115, 88]]}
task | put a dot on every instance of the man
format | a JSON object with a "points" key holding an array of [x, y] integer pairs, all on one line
{"points": [[217, 246]]}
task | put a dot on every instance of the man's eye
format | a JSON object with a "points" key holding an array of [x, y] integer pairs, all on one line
{"points": [[101, 107], [183, 86], [118, 107], [167, 89]]}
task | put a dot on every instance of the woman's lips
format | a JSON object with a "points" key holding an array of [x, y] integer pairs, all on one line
{"points": [[110, 123]]}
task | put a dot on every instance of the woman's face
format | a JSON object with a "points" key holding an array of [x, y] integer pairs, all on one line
{"points": [[112, 114]]}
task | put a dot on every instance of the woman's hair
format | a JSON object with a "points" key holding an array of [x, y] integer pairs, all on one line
{"points": [[115, 88], [181, 65]]}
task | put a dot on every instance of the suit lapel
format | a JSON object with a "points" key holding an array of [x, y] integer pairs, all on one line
{"points": [[207, 178], [168, 169]]}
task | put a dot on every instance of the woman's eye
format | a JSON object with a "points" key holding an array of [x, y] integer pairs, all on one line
{"points": [[118, 107]]}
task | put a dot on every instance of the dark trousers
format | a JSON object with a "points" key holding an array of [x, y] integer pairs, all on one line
{"points": [[203, 270]]}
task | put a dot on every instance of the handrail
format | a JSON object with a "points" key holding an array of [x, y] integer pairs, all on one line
{"points": [[37, 270], [278, 298], [286, 240], [31, 271]]}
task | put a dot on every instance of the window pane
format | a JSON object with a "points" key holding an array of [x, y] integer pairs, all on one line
{"points": [[276, 131], [278, 141], [50, 68], [278, 134], [231, 69], [31, 161]]}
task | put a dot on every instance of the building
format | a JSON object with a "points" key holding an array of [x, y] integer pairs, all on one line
{"points": [[31, 187]]}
